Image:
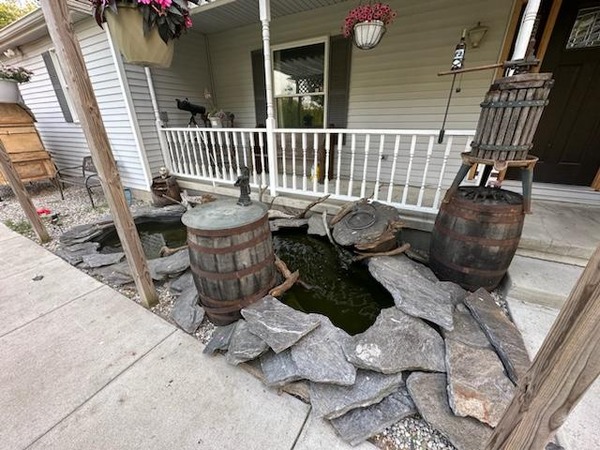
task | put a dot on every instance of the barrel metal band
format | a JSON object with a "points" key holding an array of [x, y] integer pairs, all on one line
{"points": [[502, 147], [215, 307], [513, 103], [229, 231], [468, 270], [506, 242], [236, 274], [232, 248]]}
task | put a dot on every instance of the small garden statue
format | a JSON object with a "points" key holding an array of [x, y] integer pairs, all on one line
{"points": [[243, 182]]}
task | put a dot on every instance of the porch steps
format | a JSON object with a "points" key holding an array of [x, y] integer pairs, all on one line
{"points": [[580, 431]]}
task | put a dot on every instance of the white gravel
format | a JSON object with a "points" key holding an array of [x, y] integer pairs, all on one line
{"points": [[411, 433]]}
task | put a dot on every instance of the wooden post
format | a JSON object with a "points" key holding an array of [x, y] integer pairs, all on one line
{"points": [[18, 188], [69, 53], [564, 368]]}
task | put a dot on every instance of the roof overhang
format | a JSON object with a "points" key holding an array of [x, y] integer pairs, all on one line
{"points": [[32, 26]]}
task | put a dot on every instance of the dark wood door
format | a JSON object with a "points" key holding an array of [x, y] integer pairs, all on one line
{"points": [[568, 137]]}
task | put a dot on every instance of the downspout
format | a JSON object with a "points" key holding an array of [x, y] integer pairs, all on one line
{"points": [[526, 29], [129, 107], [265, 17], [161, 137]]}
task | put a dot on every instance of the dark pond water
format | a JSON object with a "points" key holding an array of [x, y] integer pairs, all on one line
{"points": [[336, 286]]}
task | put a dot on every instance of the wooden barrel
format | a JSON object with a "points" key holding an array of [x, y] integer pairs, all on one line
{"points": [[231, 256], [475, 237], [510, 115]]}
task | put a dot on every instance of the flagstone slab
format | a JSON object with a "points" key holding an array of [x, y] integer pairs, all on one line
{"points": [[330, 400], [477, 385], [360, 424], [501, 332], [186, 312], [220, 339], [95, 260], [413, 293], [397, 342], [277, 324], [316, 226], [73, 254], [115, 275], [169, 266], [319, 356], [181, 283], [428, 391], [244, 345], [279, 368], [466, 329]]}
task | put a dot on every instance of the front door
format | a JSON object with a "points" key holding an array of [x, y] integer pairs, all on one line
{"points": [[567, 140]]}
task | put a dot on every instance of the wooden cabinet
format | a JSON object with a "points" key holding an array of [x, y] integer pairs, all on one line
{"points": [[23, 144]]}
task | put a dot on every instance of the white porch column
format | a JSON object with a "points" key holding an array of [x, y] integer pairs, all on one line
{"points": [[161, 137], [526, 29], [265, 18]]}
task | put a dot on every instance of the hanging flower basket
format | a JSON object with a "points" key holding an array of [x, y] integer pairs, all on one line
{"points": [[144, 30], [144, 49], [366, 24], [9, 91]]}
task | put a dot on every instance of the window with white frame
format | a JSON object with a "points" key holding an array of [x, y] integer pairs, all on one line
{"points": [[300, 84], [60, 86]]}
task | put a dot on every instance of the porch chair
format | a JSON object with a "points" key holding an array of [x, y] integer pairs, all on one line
{"points": [[89, 178]]}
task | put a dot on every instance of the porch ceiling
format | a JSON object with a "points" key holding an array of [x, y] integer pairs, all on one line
{"points": [[221, 15]]}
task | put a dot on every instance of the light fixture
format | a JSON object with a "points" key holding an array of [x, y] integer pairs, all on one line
{"points": [[476, 34]]}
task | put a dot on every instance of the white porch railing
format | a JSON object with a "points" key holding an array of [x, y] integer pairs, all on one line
{"points": [[404, 168]]}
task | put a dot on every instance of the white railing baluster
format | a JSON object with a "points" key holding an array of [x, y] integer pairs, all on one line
{"points": [[352, 160], [338, 175], [363, 183], [425, 169], [236, 150], [169, 138], [314, 172], [179, 152], [379, 162], [263, 166], [244, 148], [326, 168], [283, 161], [186, 140], [411, 158], [253, 153], [213, 143], [294, 161], [393, 172], [228, 152], [304, 150], [199, 140], [192, 140], [438, 191]]}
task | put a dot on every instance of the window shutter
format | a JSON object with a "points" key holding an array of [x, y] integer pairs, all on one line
{"points": [[60, 95], [340, 54], [260, 96]]}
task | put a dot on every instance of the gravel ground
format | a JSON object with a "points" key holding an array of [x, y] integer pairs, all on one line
{"points": [[411, 433]]}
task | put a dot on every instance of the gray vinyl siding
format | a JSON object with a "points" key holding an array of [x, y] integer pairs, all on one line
{"points": [[187, 77], [66, 141]]}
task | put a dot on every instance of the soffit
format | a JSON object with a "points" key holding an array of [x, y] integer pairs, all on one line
{"points": [[222, 15]]}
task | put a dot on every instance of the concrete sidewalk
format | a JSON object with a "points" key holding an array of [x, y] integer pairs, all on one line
{"points": [[83, 367]]}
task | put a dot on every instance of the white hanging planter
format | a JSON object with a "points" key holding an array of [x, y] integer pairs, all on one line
{"points": [[9, 91], [368, 34]]}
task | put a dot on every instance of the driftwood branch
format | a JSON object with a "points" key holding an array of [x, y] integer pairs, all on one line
{"points": [[327, 230], [261, 193], [396, 251], [272, 202], [311, 205], [276, 214], [348, 207], [290, 278], [168, 251]]}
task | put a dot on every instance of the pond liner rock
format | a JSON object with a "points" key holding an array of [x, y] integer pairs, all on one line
{"points": [[115, 275], [331, 401], [186, 312], [414, 292], [220, 339], [397, 342], [501, 332], [360, 424], [428, 391], [244, 345], [278, 224], [477, 384], [96, 260], [319, 356], [279, 369], [277, 324]]}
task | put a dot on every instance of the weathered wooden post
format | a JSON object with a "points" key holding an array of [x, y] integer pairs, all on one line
{"points": [[69, 53], [11, 175], [563, 369]]}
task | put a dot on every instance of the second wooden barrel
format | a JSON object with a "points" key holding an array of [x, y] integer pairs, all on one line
{"points": [[475, 237], [231, 256]]}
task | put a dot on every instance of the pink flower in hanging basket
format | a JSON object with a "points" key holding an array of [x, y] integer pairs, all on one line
{"points": [[367, 13]]}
